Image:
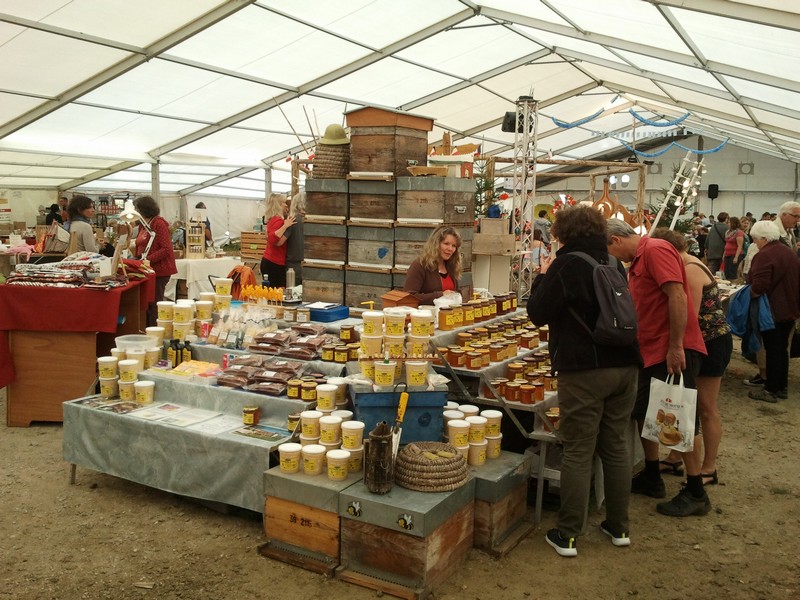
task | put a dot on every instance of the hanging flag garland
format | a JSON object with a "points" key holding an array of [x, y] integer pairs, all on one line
{"points": [[671, 144], [565, 125], [647, 121]]}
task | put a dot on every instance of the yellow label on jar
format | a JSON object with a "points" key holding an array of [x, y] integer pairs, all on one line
{"points": [[423, 328], [311, 465], [308, 393], [290, 465], [337, 471], [351, 440], [469, 314], [394, 328], [344, 334], [328, 435], [127, 375], [310, 429], [487, 311], [477, 435], [493, 429], [355, 463], [327, 354], [449, 320], [384, 377], [493, 450], [126, 392], [369, 328], [417, 377], [461, 438], [506, 305]]}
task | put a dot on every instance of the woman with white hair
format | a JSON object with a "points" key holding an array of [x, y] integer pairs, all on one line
{"points": [[775, 271], [273, 262]]}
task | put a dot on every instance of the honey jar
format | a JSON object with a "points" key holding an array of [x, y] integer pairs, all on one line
{"points": [[500, 385], [469, 314], [458, 316], [308, 391], [457, 357], [463, 339], [251, 415], [347, 333], [526, 393], [341, 354], [495, 352], [473, 360], [352, 350], [514, 371], [538, 392], [303, 315], [544, 333], [446, 319], [293, 388], [550, 383], [327, 352], [512, 391]]}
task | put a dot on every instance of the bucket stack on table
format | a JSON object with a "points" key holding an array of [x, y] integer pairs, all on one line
{"points": [[362, 234]]}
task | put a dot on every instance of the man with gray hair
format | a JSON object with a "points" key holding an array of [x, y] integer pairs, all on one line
{"points": [[787, 221], [670, 342]]}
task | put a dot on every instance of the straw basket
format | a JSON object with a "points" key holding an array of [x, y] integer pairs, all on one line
{"points": [[331, 162], [415, 471]]}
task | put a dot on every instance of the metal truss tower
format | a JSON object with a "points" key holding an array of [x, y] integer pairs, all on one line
{"points": [[524, 186]]}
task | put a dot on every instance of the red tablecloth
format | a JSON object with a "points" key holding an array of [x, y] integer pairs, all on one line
{"points": [[60, 309]]}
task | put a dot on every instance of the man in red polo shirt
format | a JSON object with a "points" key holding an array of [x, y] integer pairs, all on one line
{"points": [[670, 342]]}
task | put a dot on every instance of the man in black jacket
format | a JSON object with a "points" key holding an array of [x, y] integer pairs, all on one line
{"points": [[596, 384]]}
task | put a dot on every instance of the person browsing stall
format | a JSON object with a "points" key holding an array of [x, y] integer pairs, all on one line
{"points": [[81, 210], [153, 244], [596, 382], [54, 214], [273, 262], [438, 268]]}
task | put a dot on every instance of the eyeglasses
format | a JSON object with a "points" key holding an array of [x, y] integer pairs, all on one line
{"points": [[795, 216]]}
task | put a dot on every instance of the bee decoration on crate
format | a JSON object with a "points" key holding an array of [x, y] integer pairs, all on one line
{"points": [[406, 522], [354, 509]]}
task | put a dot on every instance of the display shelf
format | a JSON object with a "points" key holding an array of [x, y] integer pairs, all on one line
{"points": [[195, 240]]}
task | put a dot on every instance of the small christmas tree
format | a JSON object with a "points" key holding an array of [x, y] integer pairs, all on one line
{"points": [[485, 193], [673, 194]]}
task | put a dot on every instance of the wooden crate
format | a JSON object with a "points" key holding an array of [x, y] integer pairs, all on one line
{"points": [[253, 245], [436, 199], [324, 242], [385, 140], [371, 246], [494, 226], [372, 201], [364, 285], [499, 526], [493, 244], [410, 238], [326, 199], [301, 535], [402, 560], [323, 283]]}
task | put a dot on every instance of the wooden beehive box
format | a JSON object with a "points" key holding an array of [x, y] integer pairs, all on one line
{"points": [[398, 298], [372, 201], [324, 242], [386, 140], [365, 285], [494, 226], [404, 543], [370, 246], [323, 283], [301, 519], [501, 493], [439, 199], [326, 199], [253, 245], [491, 244]]}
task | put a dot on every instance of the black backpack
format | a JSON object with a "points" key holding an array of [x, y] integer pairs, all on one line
{"points": [[616, 324]]}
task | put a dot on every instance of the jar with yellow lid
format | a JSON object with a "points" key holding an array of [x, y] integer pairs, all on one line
{"points": [[446, 319]]}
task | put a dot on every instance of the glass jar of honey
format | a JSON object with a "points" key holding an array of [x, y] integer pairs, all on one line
{"points": [[512, 391], [463, 339], [473, 360], [293, 388], [446, 318], [469, 314], [308, 391], [515, 370], [458, 316], [347, 333], [550, 382], [495, 353], [327, 352], [526, 393], [341, 354], [456, 358], [538, 392], [486, 358]]}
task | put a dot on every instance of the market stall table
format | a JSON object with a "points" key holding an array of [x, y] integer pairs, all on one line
{"points": [[195, 272], [49, 342]]}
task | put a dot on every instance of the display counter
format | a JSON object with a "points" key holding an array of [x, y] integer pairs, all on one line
{"points": [[50, 338], [195, 272], [219, 467]]}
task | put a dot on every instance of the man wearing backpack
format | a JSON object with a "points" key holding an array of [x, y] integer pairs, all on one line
{"points": [[596, 380], [715, 242], [671, 344]]}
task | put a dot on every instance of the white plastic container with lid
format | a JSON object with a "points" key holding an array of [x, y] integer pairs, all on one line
{"points": [[337, 464], [313, 458], [477, 428], [493, 421], [458, 433], [469, 409], [373, 322], [290, 457]]}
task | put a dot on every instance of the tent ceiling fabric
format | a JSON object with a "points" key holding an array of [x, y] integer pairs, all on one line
{"points": [[94, 94]]}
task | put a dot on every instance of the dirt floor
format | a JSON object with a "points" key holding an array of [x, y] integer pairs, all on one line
{"points": [[108, 538]]}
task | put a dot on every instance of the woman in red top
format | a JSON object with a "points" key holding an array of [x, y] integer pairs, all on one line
{"points": [[158, 252], [734, 248], [438, 268], [273, 262]]}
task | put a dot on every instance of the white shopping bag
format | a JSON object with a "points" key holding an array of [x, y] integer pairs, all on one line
{"points": [[670, 414]]}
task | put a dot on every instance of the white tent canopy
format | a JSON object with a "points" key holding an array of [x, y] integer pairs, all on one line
{"points": [[200, 96]]}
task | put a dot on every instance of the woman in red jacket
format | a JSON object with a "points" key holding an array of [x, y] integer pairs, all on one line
{"points": [[157, 252], [273, 262], [438, 268]]}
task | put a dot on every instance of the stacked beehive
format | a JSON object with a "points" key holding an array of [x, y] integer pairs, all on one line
{"points": [[362, 234]]}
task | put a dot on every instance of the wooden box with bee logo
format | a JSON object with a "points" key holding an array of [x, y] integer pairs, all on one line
{"points": [[301, 519], [404, 543]]}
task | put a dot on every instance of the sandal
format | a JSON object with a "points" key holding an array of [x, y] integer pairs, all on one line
{"points": [[671, 468], [712, 477]]}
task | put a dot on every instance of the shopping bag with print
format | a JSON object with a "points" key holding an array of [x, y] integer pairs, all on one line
{"points": [[670, 414]]}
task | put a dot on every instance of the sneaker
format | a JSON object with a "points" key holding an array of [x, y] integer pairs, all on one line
{"points": [[783, 394], [641, 484], [756, 381], [685, 505], [763, 395], [564, 546], [618, 538]]}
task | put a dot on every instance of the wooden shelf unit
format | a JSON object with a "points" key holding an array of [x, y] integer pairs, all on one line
{"points": [[195, 240]]}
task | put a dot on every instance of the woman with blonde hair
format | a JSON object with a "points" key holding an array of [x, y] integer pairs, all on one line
{"points": [[295, 238], [273, 262], [438, 268]]}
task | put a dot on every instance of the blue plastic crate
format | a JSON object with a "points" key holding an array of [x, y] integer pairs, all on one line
{"points": [[326, 315], [423, 419]]}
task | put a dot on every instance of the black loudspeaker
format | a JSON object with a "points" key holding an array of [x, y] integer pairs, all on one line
{"points": [[713, 190], [509, 122]]}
